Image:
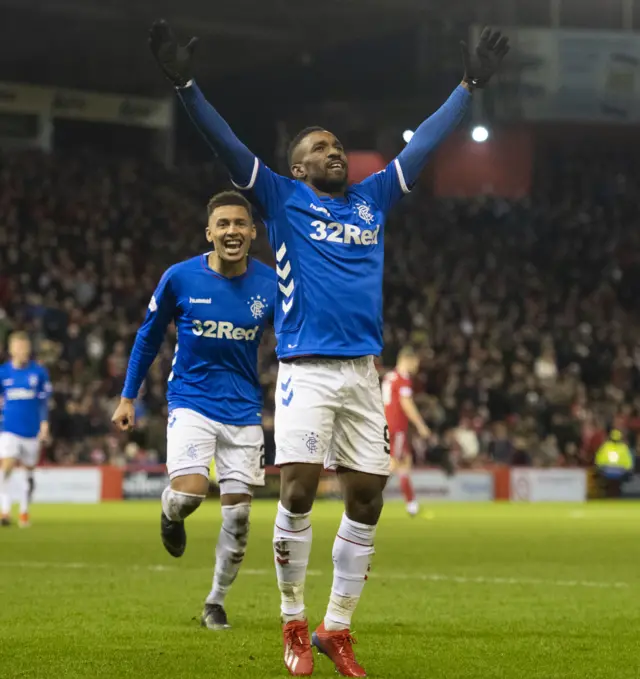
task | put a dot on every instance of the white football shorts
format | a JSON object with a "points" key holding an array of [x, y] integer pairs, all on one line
{"points": [[24, 450], [330, 412], [194, 442]]}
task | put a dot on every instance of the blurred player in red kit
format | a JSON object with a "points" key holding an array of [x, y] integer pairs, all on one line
{"points": [[400, 410]]}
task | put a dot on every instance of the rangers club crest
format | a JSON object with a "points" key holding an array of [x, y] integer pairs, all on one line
{"points": [[257, 306], [365, 213]]}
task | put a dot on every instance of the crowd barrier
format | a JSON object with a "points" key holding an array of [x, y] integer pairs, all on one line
{"points": [[99, 484]]}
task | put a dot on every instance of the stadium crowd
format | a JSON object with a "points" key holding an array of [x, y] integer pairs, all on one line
{"points": [[524, 314]]}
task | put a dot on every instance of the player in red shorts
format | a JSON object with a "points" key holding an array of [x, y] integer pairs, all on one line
{"points": [[400, 410]]}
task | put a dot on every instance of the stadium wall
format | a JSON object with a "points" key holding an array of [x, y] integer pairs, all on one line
{"points": [[105, 484]]}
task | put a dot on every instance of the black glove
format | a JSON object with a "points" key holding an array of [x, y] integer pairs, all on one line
{"points": [[174, 60], [491, 50]]}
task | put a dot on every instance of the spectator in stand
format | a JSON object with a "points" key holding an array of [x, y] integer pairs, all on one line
{"points": [[524, 314]]}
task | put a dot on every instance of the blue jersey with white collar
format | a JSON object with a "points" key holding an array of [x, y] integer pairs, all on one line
{"points": [[219, 323], [25, 393], [329, 250], [330, 260]]}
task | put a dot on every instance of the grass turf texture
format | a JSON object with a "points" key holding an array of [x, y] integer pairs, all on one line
{"points": [[480, 591]]}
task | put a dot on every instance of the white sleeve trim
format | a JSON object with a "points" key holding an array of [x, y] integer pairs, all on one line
{"points": [[403, 183], [185, 86], [406, 391], [252, 181]]}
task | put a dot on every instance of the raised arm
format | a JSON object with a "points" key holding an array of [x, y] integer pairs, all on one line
{"points": [[413, 158], [269, 190], [239, 161], [176, 62], [388, 186], [478, 70]]}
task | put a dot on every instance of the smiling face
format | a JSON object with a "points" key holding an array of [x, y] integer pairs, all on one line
{"points": [[319, 160], [231, 230]]}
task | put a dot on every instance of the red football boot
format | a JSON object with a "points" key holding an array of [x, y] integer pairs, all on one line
{"points": [[338, 647], [298, 658]]}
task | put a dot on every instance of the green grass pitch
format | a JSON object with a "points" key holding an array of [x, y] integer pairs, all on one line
{"points": [[462, 592]]}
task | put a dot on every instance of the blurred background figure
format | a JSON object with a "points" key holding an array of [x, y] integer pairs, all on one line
{"points": [[614, 462], [401, 411]]}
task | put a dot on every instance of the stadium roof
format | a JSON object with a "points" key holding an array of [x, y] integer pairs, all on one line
{"points": [[101, 44]]}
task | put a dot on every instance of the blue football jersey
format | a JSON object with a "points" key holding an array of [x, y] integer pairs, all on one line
{"points": [[219, 323], [25, 394], [330, 257]]}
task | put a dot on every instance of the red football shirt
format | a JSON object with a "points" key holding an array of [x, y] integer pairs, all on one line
{"points": [[394, 386]]}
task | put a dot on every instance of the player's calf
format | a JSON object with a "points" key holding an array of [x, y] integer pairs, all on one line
{"points": [[292, 535], [230, 551], [179, 500], [6, 467], [352, 552], [26, 495], [292, 538]]}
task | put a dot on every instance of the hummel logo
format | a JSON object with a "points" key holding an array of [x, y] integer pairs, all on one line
{"points": [[317, 208], [199, 300], [286, 400]]}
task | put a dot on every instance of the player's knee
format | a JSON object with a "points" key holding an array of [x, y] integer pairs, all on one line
{"points": [[364, 505], [235, 520], [296, 496], [194, 484], [298, 485]]}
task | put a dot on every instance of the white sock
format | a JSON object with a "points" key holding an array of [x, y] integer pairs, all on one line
{"points": [[177, 505], [232, 543], [352, 552], [292, 546], [25, 495], [5, 498]]}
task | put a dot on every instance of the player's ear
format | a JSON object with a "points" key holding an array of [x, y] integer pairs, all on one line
{"points": [[208, 235], [298, 172], [254, 232]]}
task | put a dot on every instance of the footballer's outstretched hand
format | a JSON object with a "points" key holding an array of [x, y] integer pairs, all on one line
{"points": [[125, 416], [489, 53], [176, 61]]}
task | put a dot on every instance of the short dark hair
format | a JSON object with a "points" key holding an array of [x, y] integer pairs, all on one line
{"points": [[228, 198], [298, 138]]}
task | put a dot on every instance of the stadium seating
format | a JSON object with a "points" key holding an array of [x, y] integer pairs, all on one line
{"points": [[525, 314]]}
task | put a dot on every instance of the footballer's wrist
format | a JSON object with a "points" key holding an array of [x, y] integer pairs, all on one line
{"points": [[126, 399], [469, 84]]}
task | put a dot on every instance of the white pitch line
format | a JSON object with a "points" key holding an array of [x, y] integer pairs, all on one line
{"points": [[424, 577]]}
